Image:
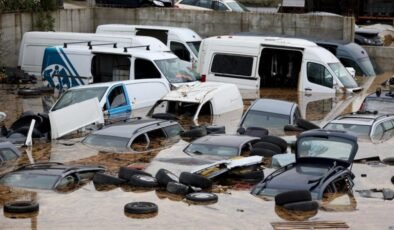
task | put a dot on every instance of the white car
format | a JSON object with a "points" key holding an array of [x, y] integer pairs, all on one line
{"points": [[221, 5]]}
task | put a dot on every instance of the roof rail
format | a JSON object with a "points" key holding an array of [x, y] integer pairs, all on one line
{"points": [[125, 48], [114, 44], [68, 43], [38, 164]]}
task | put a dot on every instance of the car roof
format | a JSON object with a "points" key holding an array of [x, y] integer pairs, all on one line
{"points": [[359, 118], [273, 106], [128, 129], [224, 140]]}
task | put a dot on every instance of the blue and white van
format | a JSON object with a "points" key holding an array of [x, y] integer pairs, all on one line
{"points": [[66, 67]]}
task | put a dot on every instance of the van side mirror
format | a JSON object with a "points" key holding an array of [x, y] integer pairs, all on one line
{"points": [[352, 71]]}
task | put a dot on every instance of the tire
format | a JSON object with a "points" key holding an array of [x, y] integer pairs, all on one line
{"points": [[256, 132], [21, 207], [195, 132], [293, 128], [307, 125], [195, 180], [262, 152], [292, 196], [29, 92], [202, 197], [105, 179], [25, 130], [143, 181], [165, 116], [163, 177], [141, 208], [277, 141], [302, 206], [177, 188], [213, 129], [266, 145], [126, 173]]}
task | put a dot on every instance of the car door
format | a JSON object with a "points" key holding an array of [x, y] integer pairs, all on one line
{"points": [[318, 79], [117, 104]]}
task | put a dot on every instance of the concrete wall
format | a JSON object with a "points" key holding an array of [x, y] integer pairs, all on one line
{"points": [[382, 56], [206, 23]]}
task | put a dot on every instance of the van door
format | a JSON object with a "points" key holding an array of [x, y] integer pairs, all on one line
{"points": [[318, 78], [236, 69], [118, 105]]}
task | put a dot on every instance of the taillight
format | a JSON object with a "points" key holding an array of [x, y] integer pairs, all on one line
{"points": [[203, 78]]}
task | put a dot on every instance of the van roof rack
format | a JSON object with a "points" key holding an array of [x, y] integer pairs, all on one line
{"points": [[114, 44], [68, 43], [125, 48]]}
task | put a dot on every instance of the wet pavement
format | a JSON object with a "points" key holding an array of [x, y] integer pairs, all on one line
{"points": [[90, 207]]}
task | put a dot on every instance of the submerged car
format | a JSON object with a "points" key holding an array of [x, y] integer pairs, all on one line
{"points": [[50, 176], [381, 100], [135, 135], [8, 152], [221, 146], [323, 162]]}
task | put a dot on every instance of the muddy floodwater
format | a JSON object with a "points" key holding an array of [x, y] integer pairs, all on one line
{"points": [[92, 207]]}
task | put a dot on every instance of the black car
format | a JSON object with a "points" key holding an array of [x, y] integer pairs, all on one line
{"points": [[323, 159], [50, 176]]}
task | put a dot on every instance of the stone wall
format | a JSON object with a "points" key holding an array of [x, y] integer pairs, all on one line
{"points": [[382, 56]]}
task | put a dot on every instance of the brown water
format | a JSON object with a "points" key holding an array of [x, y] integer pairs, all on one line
{"points": [[102, 208]]}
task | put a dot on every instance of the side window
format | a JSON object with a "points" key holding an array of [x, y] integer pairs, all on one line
{"points": [[144, 69], [219, 6], [319, 74], [172, 130], [7, 154], [180, 50], [378, 132], [117, 97], [232, 65]]}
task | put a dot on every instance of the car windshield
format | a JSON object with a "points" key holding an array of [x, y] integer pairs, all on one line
{"points": [[106, 141], [29, 180], [74, 96], [213, 150], [343, 75], [176, 70], [323, 147], [238, 7], [366, 66], [361, 131], [265, 119], [194, 47]]}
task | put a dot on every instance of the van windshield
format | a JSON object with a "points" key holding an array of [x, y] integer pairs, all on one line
{"points": [[194, 47], [176, 70], [73, 96], [343, 75]]}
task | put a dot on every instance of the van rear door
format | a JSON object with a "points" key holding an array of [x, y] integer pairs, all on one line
{"points": [[237, 69]]}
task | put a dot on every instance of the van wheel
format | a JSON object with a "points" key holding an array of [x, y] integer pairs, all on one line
{"points": [[141, 208], [21, 207], [202, 197], [266, 145], [277, 141], [302, 123], [195, 180], [163, 177], [292, 196]]}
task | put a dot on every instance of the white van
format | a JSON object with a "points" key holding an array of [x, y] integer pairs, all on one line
{"points": [[259, 62], [183, 42], [80, 65], [33, 44]]}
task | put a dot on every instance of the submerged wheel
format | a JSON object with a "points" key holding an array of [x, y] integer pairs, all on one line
{"points": [[21, 207]]}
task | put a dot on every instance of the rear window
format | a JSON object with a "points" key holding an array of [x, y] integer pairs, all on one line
{"points": [[232, 65]]}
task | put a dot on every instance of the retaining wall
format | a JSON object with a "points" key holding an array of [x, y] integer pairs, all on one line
{"points": [[382, 56]]}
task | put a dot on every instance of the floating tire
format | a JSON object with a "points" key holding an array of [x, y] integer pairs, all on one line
{"points": [[29, 92], [145, 181], [163, 177], [277, 141], [302, 206], [105, 179], [293, 128], [262, 152], [307, 125], [292, 197], [141, 208], [202, 197], [21, 207], [195, 180], [266, 145], [177, 188], [165, 116], [126, 173]]}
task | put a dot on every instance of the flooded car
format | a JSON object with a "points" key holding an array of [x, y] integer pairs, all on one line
{"points": [[381, 100], [322, 165], [49, 176], [8, 152]]}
